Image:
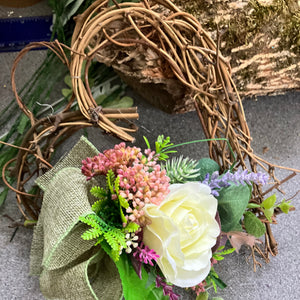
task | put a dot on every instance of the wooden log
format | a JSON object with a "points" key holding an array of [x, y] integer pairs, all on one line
{"points": [[260, 38]]}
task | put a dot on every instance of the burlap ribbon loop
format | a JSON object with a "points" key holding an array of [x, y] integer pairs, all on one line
{"points": [[69, 267]]}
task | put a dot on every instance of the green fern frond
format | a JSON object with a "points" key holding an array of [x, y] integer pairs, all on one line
{"points": [[91, 234], [99, 240], [90, 220], [214, 280], [98, 227], [226, 252], [219, 255], [110, 181], [123, 202], [95, 222], [111, 241], [115, 255], [98, 192], [115, 238], [96, 207], [181, 170], [117, 185], [131, 227]]}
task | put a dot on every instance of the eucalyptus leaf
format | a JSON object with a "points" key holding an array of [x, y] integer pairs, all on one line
{"points": [[285, 206], [232, 202], [71, 8], [68, 81], [269, 202], [111, 97], [100, 99], [7, 155], [253, 205], [124, 102], [206, 166], [111, 3], [253, 225], [269, 213]]}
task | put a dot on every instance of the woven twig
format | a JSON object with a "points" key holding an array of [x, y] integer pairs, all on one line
{"points": [[46, 134], [183, 52]]}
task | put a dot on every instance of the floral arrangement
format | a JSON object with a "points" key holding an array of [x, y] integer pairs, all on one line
{"points": [[165, 222]]}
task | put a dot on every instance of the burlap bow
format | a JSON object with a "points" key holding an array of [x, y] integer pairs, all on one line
{"points": [[68, 266]]}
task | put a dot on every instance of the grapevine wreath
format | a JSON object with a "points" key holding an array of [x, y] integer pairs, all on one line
{"points": [[100, 225]]}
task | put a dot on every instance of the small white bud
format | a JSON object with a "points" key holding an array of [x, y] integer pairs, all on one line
{"points": [[128, 250]]}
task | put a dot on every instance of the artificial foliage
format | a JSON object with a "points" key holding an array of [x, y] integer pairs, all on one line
{"points": [[150, 43], [118, 219], [182, 169]]}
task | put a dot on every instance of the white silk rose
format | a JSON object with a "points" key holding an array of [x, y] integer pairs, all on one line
{"points": [[182, 232]]}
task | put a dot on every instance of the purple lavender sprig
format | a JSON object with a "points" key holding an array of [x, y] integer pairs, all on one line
{"points": [[216, 182], [145, 255], [167, 289]]}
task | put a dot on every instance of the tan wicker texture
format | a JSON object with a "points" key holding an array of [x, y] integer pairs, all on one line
{"points": [[163, 45]]}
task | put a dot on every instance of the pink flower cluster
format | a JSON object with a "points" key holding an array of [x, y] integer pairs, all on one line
{"points": [[141, 178]]}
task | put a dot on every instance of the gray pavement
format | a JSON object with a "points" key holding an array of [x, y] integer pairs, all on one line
{"points": [[274, 123]]}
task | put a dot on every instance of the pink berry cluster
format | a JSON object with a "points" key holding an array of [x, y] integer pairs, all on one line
{"points": [[110, 159], [141, 179], [199, 288]]}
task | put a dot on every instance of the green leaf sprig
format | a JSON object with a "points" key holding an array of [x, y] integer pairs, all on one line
{"points": [[161, 146], [214, 280], [269, 205], [253, 224], [219, 254], [108, 217]]}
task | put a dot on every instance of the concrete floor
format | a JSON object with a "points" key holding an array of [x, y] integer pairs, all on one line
{"points": [[274, 123]]}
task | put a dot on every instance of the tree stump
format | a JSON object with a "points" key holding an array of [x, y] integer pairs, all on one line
{"points": [[260, 38]]}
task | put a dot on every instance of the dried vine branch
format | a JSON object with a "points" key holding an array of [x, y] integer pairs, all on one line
{"points": [[171, 45], [47, 133], [154, 44]]}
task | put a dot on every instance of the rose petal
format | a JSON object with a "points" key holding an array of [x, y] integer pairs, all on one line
{"points": [[183, 230]]}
